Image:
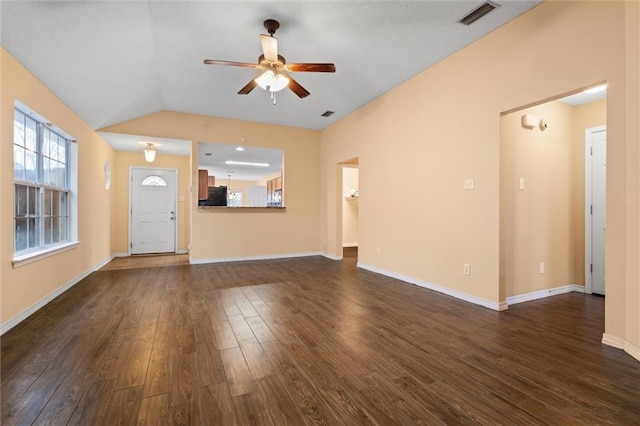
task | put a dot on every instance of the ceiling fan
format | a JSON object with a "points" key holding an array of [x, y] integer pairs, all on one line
{"points": [[275, 67]]}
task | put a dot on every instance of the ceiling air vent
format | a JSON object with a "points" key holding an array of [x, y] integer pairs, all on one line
{"points": [[327, 113], [478, 13]]}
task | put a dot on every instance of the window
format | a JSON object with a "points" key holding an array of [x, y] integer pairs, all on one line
{"points": [[154, 181], [235, 199], [42, 193]]}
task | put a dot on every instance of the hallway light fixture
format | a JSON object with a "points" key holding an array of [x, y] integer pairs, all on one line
{"points": [[150, 152]]}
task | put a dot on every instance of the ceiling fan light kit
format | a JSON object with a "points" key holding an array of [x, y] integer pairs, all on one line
{"points": [[274, 78]]}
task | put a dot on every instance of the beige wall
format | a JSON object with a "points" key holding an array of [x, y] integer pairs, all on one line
{"points": [[545, 221], [443, 126], [25, 286], [535, 221], [120, 185], [629, 301], [349, 207], [240, 233]]}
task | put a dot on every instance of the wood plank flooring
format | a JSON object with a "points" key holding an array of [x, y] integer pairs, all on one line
{"points": [[306, 341]]}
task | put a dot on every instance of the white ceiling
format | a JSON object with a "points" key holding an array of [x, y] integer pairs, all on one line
{"points": [[220, 153], [582, 98], [112, 61]]}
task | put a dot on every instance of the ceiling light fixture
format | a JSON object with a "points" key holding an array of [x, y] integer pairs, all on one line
{"points": [[246, 163], [600, 88], [272, 82], [150, 152], [239, 148]]}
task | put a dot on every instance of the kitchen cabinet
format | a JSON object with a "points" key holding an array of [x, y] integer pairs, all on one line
{"points": [[274, 192], [203, 184]]}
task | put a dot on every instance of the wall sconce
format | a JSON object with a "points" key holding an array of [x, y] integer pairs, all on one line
{"points": [[150, 152]]}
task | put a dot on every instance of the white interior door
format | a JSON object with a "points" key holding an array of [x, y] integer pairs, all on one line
{"points": [[153, 210], [598, 209]]}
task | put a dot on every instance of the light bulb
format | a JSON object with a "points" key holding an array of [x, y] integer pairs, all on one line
{"points": [[281, 81], [266, 79]]}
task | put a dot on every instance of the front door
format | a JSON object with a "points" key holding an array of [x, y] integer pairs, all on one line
{"points": [[153, 210]]}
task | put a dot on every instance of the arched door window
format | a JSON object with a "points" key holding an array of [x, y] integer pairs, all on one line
{"points": [[153, 181]]}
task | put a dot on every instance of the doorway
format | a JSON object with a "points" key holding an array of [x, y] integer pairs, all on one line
{"points": [[595, 208], [545, 176], [153, 210], [350, 195]]}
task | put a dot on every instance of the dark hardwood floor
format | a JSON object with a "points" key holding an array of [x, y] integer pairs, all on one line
{"points": [[306, 341]]}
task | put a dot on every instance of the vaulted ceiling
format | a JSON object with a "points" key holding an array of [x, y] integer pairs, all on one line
{"points": [[112, 61]]}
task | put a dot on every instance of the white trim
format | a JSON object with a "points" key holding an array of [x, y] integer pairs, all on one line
{"points": [[175, 207], [435, 287], [620, 343], [349, 245], [331, 256], [544, 293], [120, 254], [588, 255], [182, 251], [614, 341], [245, 258], [8, 325], [26, 259], [632, 350]]}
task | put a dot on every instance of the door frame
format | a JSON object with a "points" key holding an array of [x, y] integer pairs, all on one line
{"points": [[130, 207], [351, 163], [588, 217]]}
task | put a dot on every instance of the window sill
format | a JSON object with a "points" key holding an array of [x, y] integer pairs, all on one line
{"points": [[242, 209], [28, 258]]}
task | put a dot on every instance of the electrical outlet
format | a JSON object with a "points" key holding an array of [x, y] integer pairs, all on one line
{"points": [[521, 184], [542, 267], [378, 251], [466, 269], [469, 184]]}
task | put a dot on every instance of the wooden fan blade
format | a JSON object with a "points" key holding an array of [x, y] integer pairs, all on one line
{"points": [[269, 47], [310, 67], [230, 63], [248, 88], [297, 88]]}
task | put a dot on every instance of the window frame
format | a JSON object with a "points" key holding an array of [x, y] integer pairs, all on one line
{"points": [[67, 211]]}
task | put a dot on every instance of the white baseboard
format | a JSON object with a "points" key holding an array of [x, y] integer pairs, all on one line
{"points": [[614, 341], [544, 293], [620, 343], [632, 350], [121, 254], [331, 256], [245, 258], [8, 325], [183, 251], [350, 245], [435, 287]]}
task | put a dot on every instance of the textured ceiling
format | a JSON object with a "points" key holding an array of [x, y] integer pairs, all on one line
{"points": [[112, 61]]}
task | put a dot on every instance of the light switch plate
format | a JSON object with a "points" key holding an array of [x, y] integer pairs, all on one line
{"points": [[521, 184]]}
